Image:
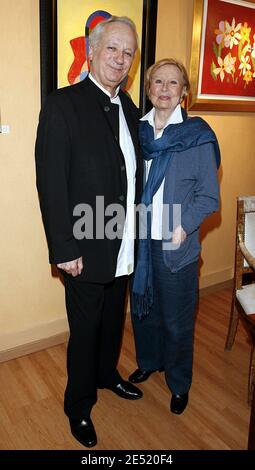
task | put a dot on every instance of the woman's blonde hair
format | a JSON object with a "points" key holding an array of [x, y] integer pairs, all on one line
{"points": [[153, 68]]}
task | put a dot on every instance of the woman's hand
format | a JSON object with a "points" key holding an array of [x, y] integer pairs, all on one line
{"points": [[179, 235]]}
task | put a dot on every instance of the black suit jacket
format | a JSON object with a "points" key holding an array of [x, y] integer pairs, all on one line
{"points": [[78, 158]]}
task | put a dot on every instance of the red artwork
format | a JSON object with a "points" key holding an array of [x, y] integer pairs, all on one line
{"points": [[229, 50], [80, 48]]}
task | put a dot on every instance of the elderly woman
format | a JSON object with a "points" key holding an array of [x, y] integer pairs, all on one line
{"points": [[181, 157]]}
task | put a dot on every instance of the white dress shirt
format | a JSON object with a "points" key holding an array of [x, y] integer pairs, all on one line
{"points": [[125, 261], [157, 202]]}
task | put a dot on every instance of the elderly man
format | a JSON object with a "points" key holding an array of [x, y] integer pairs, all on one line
{"points": [[86, 156]]}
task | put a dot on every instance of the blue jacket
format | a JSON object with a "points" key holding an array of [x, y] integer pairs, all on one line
{"points": [[191, 181]]}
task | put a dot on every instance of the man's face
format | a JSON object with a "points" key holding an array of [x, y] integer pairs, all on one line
{"points": [[113, 55]]}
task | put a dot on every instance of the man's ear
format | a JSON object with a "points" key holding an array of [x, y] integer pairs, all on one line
{"points": [[90, 53]]}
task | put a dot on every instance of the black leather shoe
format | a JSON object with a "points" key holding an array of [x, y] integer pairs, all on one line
{"points": [[179, 403], [84, 432], [126, 390], [140, 375]]}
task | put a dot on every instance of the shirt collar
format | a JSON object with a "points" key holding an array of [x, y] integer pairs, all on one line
{"points": [[102, 88], [174, 118]]}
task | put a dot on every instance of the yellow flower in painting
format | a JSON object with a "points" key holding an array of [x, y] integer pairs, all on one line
{"points": [[244, 66], [245, 33], [233, 37], [225, 66], [248, 76], [246, 49], [253, 48]]}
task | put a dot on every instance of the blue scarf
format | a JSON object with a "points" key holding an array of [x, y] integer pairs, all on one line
{"points": [[190, 133]]}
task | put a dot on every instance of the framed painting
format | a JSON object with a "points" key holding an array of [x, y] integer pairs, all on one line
{"points": [[64, 37], [222, 67]]}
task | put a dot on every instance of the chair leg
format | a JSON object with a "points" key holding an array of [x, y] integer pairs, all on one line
{"points": [[233, 322], [251, 439], [251, 376]]}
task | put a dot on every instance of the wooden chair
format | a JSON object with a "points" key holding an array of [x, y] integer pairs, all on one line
{"points": [[243, 300]]}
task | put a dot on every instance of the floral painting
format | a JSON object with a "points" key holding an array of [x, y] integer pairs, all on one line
{"points": [[228, 65]]}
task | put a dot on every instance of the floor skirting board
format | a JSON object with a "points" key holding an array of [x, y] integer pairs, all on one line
{"points": [[56, 332]]}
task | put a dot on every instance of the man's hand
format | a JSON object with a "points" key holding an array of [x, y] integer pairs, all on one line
{"points": [[74, 267], [178, 235]]}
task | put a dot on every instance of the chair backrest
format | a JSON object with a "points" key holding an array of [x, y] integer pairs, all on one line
{"points": [[247, 205], [245, 232]]}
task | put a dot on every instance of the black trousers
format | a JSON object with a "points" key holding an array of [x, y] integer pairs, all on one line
{"points": [[96, 319]]}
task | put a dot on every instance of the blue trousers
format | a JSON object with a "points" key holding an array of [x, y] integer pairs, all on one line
{"points": [[164, 338]]}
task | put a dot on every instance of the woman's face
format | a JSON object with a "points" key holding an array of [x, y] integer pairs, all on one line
{"points": [[166, 88]]}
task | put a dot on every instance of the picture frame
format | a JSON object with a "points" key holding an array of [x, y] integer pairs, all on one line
{"points": [[55, 14], [222, 64]]}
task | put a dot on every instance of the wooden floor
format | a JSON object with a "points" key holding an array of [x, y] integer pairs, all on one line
{"points": [[31, 394]]}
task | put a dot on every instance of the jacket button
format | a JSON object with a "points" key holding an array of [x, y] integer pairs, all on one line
{"points": [[123, 168], [106, 108], [121, 198]]}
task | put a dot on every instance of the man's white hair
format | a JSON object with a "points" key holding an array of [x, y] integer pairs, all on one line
{"points": [[96, 33]]}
